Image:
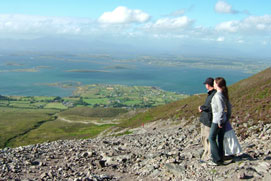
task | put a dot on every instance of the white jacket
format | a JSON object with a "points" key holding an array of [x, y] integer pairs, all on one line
{"points": [[219, 103]]}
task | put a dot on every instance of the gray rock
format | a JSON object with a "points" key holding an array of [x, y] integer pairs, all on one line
{"points": [[262, 167], [178, 170], [43, 175], [267, 177], [242, 175]]}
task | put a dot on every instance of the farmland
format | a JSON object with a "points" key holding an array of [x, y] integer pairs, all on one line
{"points": [[125, 96], [89, 111]]}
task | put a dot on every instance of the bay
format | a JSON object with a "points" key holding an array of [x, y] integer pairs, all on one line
{"points": [[28, 75]]}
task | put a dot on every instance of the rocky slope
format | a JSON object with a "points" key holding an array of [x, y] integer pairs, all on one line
{"points": [[161, 150]]}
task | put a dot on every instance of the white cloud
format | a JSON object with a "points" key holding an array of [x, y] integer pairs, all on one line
{"points": [[167, 28], [261, 23], [223, 7], [251, 25], [170, 24], [220, 39], [229, 26], [27, 24], [123, 15]]}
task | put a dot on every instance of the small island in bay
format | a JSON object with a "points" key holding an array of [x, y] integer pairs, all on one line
{"points": [[43, 67], [21, 70], [118, 67], [65, 84], [86, 71], [14, 64]]}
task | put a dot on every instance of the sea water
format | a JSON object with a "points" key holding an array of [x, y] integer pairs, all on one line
{"points": [[17, 79]]}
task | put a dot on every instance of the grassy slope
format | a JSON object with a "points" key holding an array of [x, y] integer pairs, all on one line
{"points": [[251, 100], [15, 121], [54, 130], [186, 108], [93, 113]]}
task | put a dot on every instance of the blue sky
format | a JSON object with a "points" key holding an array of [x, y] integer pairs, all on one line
{"points": [[243, 25]]}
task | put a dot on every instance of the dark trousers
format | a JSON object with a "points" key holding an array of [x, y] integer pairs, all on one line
{"points": [[217, 149]]}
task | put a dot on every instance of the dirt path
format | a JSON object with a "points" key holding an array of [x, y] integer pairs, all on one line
{"points": [[89, 121]]}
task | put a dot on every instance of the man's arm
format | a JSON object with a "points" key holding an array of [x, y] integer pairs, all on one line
{"points": [[206, 108]]}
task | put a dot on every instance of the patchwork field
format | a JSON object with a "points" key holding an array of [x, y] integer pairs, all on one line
{"points": [[125, 96], [92, 110]]}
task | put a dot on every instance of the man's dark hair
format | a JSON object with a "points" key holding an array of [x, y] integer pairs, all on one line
{"points": [[209, 81]]}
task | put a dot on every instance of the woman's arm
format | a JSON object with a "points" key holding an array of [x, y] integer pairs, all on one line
{"points": [[220, 109]]}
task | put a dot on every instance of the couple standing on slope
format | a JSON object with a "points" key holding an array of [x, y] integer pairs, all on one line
{"points": [[218, 137]]}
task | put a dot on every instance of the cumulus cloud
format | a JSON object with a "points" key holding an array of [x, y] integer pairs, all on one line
{"points": [[134, 25], [229, 26], [123, 15], [252, 25], [27, 24], [170, 24], [224, 7]]}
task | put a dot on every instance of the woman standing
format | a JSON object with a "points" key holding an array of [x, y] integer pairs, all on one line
{"points": [[220, 102]]}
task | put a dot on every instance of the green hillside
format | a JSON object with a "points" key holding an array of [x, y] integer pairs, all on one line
{"points": [[29, 120], [250, 98], [93, 109]]}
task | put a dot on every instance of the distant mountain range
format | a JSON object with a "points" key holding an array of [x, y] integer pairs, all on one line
{"points": [[51, 44], [104, 45]]}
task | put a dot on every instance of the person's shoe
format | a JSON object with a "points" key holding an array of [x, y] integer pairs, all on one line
{"points": [[227, 162], [211, 163], [221, 162], [229, 157]]}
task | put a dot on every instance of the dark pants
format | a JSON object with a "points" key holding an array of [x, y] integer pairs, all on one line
{"points": [[217, 149]]}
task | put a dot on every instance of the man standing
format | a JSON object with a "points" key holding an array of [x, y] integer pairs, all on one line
{"points": [[206, 118]]}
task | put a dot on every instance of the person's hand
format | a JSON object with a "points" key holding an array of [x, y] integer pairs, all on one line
{"points": [[220, 126], [199, 109]]}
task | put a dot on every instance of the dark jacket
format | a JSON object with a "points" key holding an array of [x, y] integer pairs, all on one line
{"points": [[206, 114]]}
